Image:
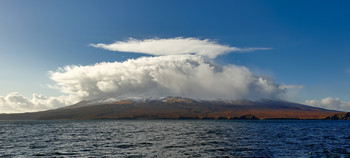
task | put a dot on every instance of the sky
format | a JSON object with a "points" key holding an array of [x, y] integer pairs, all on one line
{"points": [[55, 53]]}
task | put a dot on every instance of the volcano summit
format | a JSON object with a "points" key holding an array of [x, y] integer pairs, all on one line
{"points": [[179, 108]]}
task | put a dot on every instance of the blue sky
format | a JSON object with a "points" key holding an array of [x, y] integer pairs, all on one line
{"points": [[310, 40]]}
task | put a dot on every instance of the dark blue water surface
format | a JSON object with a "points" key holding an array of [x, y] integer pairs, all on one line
{"points": [[175, 138]]}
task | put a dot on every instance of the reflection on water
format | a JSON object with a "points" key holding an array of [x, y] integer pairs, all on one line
{"points": [[175, 138]]}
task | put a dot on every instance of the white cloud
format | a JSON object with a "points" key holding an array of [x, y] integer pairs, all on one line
{"points": [[181, 68], [173, 46], [16, 103], [174, 75], [330, 103]]}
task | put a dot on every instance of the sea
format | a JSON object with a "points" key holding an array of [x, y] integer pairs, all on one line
{"points": [[175, 138]]}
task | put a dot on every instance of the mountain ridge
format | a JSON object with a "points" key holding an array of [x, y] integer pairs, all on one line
{"points": [[177, 108]]}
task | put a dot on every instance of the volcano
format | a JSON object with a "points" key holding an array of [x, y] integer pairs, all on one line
{"points": [[177, 108]]}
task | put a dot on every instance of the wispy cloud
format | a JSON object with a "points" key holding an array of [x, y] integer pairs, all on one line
{"points": [[330, 103], [175, 75], [291, 86], [173, 46]]}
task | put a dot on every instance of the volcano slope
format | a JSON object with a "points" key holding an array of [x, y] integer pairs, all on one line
{"points": [[178, 108]]}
